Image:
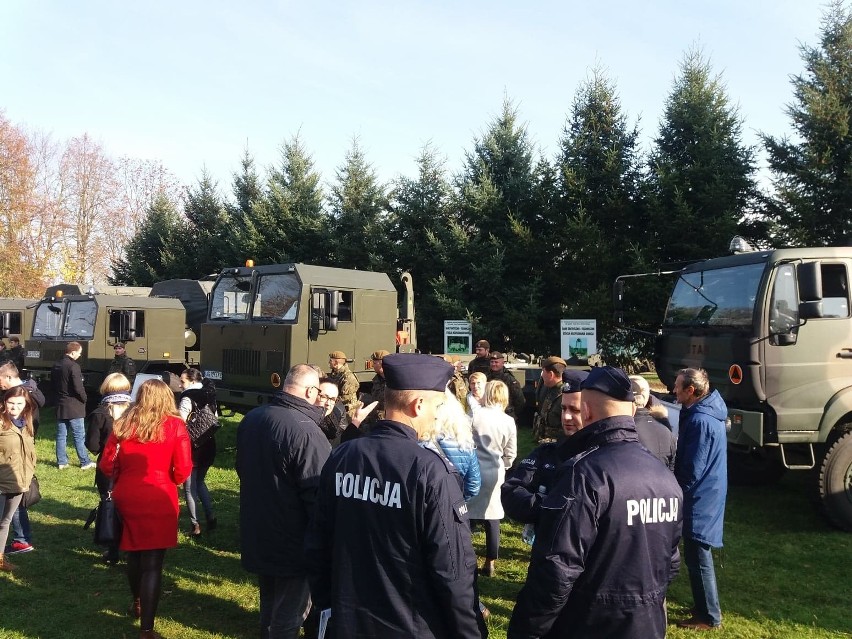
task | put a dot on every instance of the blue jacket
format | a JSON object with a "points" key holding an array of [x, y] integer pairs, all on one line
{"points": [[466, 462], [606, 545], [701, 468]]}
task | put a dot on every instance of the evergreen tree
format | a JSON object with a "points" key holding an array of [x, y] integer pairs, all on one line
{"points": [[206, 238], [150, 254], [243, 239], [813, 173], [701, 172], [359, 215]]}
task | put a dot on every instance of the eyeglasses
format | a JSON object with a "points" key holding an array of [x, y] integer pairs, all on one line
{"points": [[326, 398]]}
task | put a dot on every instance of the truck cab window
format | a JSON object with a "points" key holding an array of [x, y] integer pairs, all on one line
{"points": [[784, 309], [277, 297], [344, 310], [835, 290], [80, 319], [119, 324], [231, 299]]}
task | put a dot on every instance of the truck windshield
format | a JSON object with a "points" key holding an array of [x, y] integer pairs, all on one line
{"points": [[68, 318], [277, 297], [718, 297], [231, 298]]}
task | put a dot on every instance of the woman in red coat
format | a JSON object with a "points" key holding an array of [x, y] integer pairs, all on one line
{"points": [[150, 454]]}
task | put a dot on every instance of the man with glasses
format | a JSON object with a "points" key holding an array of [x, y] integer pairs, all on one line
{"points": [[280, 453]]}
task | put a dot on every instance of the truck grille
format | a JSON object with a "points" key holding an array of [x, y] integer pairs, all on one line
{"points": [[240, 362]]}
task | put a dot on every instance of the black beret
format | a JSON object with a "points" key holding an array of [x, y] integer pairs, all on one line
{"points": [[572, 379], [610, 381], [414, 371]]}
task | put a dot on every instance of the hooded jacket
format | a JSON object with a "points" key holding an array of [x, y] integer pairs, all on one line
{"points": [[701, 468], [606, 545], [280, 453]]}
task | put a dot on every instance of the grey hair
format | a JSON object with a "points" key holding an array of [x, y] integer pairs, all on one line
{"points": [[697, 378]]}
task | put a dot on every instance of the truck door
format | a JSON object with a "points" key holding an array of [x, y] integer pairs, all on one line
{"points": [[806, 366]]}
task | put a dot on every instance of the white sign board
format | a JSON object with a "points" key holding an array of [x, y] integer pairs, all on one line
{"points": [[457, 337], [579, 338], [137, 382]]}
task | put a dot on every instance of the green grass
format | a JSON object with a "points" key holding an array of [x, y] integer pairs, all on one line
{"points": [[782, 574]]}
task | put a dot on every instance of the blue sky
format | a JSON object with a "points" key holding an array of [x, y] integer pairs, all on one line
{"points": [[193, 83]]}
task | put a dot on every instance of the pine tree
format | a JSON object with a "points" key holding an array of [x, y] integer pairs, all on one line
{"points": [[206, 239], [701, 172], [813, 173]]}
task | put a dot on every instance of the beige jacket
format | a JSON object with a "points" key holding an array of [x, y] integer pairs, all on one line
{"points": [[17, 460]]}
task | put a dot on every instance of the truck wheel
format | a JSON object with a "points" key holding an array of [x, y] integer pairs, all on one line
{"points": [[754, 467], [835, 482]]}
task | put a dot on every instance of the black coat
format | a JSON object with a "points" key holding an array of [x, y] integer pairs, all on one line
{"points": [[389, 547], [606, 545], [98, 429], [280, 453], [516, 393], [654, 436], [67, 380], [204, 455]]}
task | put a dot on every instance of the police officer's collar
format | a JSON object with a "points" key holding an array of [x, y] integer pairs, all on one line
{"points": [[396, 428]]}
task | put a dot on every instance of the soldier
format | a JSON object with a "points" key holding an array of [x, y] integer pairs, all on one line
{"points": [[121, 363], [347, 383], [516, 394], [547, 423], [382, 497], [480, 363], [378, 391]]}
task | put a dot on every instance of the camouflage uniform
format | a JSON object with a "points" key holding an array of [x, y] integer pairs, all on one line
{"points": [[547, 423], [347, 386], [124, 365], [458, 386], [478, 365], [377, 394], [516, 393]]}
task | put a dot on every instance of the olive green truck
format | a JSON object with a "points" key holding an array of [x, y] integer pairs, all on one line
{"points": [[774, 332]]}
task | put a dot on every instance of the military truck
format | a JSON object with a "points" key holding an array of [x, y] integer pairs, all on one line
{"points": [[155, 323], [16, 316], [263, 319], [773, 331]]}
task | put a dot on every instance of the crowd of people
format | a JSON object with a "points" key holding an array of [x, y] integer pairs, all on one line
{"points": [[356, 511]]}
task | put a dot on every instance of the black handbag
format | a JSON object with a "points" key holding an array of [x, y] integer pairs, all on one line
{"points": [[32, 495], [201, 424], [105, 516]]}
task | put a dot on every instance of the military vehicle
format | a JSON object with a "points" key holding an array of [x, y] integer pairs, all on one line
{"points": [[160, 326], [264, 319], [773, 331]]}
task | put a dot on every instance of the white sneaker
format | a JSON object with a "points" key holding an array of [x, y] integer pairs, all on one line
{"points": [[62, 466], [88, 466]]}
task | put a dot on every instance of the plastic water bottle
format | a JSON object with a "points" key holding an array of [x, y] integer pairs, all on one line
{"points": [[528, 533]]}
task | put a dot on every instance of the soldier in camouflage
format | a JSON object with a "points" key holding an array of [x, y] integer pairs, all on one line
{"points": [[346, 381], [516, 394], [480, 364], [547, 423], [377, 394]]}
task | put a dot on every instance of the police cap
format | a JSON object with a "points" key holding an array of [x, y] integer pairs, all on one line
{"points": [[415, 371], [572, 379], [609, 381]]}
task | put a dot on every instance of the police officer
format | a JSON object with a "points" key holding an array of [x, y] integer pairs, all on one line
{"points": [[383, 497], [606, 545], [121, 363], [498, 371], [522, 492], [480, 363], [547, 423], [347, 383]]}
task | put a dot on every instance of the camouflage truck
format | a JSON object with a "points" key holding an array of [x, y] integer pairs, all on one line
{"points": [[773, 331], [264, 319], [155, 323]]}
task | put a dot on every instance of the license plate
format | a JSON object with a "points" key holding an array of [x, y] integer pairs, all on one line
{"points": [[34, 354], [213, 375]]}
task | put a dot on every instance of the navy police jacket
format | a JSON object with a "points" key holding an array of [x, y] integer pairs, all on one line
{"points": [[606, 545], [389, 547]]}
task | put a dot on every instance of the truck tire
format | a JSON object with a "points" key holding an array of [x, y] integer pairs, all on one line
{"points": [[835, 481], [754, 467]]}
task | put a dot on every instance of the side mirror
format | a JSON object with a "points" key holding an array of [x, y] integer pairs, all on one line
{"points": [[130, 333], [7, 321], [809, 275], [810, 310]]}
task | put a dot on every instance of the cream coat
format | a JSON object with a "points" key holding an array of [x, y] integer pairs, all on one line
{"points": [[496, 440], [17, 461]]}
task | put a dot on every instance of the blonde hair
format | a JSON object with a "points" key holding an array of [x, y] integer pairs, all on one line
{"points": [[476, 377], [496, 394], [155, 401], [451, 422], [115, 383]]}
